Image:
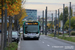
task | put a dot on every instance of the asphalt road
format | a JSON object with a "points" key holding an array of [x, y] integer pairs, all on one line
{"points": [[45, 43]]}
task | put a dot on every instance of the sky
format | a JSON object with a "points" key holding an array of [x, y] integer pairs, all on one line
{"points": [[40, 5]]}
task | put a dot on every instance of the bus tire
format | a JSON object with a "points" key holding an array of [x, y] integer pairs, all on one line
{"points": [[37, 38]]}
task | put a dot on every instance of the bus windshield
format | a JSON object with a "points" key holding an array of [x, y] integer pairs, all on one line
{"points": [[32, 28]]}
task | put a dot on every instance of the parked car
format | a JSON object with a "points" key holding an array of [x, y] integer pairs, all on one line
{"points": [[15, 36]]}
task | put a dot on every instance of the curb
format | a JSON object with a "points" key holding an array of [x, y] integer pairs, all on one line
{"points": [[19, 44], [72, 43]]}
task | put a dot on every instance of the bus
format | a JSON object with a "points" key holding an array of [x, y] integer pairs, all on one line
{"points": [[31, 30]]}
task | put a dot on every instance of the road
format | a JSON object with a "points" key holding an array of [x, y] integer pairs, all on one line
{"points": [[45, 43]]}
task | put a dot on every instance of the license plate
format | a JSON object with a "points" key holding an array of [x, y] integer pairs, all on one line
{"points": [[31, 34]]}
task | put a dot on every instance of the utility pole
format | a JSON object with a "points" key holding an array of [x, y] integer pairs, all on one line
{"points": [[55, 22], [58, 22], [46, 21], [52, 22], [63, 18], [69, 19], [43, 21]]}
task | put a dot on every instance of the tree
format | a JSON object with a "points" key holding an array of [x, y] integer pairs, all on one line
{"points": [[72, 23], [65, 15], [50, 25], [13, 7], [21, 16]]}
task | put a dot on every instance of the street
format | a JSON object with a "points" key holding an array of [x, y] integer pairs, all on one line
{"points": [[45, 43]]}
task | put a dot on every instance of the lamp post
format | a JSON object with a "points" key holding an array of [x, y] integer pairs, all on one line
{"points": [[69, 19], [43, 22], [46, 21], [55, 22], [58, 22], [52, 22]]}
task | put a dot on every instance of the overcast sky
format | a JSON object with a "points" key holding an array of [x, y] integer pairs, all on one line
{"points": [[51, 4]]}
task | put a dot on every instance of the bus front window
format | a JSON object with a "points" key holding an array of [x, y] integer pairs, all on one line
{"points": [[32, 28]]}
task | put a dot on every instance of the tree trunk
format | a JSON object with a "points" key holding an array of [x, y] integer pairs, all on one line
{"points": [[2, 29], [16, 24], [10, 31], [2, 34]]}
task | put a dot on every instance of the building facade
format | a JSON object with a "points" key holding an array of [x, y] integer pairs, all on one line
{"points": [[32, 14]]}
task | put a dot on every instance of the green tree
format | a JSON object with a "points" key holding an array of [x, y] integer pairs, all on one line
{"points": [[72, 23], [65, 15]]}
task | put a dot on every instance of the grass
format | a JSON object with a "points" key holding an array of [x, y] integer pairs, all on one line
{"points": [[12, 46], [72, 39]]}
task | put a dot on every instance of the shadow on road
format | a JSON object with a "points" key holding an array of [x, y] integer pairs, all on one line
{"points": [[28, 39]]}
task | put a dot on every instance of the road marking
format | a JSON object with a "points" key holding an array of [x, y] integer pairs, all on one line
{"points": [[48, 45], [45, 38], [43, 42]]}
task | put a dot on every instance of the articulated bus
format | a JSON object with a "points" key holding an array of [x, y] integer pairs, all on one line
{"points": [[31, 30]]}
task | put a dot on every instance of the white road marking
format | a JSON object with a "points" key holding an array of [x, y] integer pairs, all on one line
{"points": [[43, 42], [45, 38], [48, 45]]}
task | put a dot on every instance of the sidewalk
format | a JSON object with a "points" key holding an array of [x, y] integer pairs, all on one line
{"points": [[0, 41]]}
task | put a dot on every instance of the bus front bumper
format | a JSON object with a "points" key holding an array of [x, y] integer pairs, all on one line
{"points": [[31, 35]]}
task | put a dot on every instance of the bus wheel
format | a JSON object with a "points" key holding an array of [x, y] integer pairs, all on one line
{"points": [[23, 38], [37, 38]]}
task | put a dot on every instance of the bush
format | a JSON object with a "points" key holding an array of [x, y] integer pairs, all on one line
{"points": [[12, 46], [60, 33], [73, 33]]}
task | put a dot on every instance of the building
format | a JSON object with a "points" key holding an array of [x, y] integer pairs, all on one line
{"points": [[32, 14]]}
